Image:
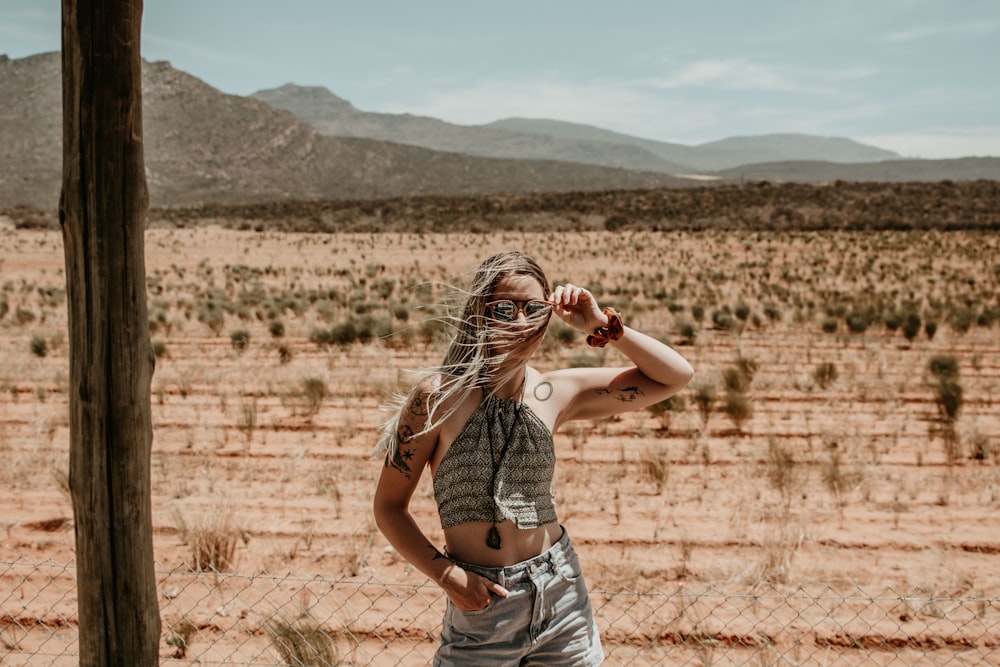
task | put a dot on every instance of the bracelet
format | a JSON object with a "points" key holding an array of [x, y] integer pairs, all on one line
{"points": [[613, 330]]}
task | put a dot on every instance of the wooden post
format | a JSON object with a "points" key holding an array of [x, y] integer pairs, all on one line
{"points": [[102, 211]]}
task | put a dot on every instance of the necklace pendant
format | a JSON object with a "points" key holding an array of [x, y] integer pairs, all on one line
{"points": [[493, 538]]}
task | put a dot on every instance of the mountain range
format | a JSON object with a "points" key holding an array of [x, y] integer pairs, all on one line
{"points": [[522, 138], [293, 142]]}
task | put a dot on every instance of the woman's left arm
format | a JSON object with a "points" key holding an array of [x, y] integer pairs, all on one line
{"points": [[659, 371], [657, 361]]}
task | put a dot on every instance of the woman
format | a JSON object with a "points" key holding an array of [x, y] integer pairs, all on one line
{"points": [[483, 423]]}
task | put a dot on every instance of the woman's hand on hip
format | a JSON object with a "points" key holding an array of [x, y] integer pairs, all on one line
{"points": [[469, 591]]}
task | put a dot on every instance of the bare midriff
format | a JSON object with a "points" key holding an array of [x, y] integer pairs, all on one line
{"points": [[466, 542]]}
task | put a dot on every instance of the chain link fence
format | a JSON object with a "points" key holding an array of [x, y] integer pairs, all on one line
{"points": [[212, 618]]}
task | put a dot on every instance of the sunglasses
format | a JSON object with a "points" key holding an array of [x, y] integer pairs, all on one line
{"points": [[505, 310]]}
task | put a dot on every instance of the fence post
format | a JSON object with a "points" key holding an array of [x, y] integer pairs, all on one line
{"points": [[102, 212]]}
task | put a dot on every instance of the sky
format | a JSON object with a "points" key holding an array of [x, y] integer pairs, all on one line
{"points": [[919, 77]]}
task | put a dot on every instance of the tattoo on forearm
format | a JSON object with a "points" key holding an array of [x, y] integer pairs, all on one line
{"points": [[543, 391], [625, 394]]}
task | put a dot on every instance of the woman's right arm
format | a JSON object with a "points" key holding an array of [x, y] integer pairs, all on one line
{"points": [[396, 485]]}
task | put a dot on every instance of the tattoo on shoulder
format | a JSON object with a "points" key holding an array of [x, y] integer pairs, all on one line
{"points": [[624, 394], [418, 406]]}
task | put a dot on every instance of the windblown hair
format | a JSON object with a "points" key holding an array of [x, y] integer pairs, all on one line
{"points": [[470, 362]]}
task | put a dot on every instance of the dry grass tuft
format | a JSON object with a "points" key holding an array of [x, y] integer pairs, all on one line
{"points": [[656, 466], [212, 537], [302, 642]]}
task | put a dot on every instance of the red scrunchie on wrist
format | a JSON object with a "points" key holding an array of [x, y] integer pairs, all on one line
{"points": [[613, 330]]}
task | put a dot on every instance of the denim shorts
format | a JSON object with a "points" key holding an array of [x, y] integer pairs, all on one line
{"points": [[545, 620]]}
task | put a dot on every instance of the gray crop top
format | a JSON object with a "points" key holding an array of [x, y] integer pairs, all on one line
{"points": [[510, 439]]}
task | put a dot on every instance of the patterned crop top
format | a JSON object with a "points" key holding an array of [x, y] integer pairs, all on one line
{"points": [[499, 467]]}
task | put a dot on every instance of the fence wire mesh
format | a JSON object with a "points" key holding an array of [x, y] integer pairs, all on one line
{"points": [[215, 618]]}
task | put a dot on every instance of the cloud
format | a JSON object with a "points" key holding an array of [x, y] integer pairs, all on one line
{"points": [[731, 73], [609, 105], [940, 143], [966, 29], [633, 108], [742, 75], [853, 73]]}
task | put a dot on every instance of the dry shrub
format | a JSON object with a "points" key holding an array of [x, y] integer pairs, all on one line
{"points": [[825, 374], [247, 417], [738, 408], [739, 376], [777, 553], [359, 550], [212, 535], [39, 347], [704, 397], [240, 340], [312, 392], [949, 398], [665, 409], [560, 334], [325, 484], [301, 642], [837, 478], [656, 466], [782, 472], [585, 360]]}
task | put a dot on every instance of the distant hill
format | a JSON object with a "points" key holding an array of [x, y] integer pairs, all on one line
{"points": [[525, 138], [715, 155], [204, 146], [734, 151], [776, 157], [336, 117]]}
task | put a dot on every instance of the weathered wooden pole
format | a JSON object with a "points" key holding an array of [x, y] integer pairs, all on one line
{"points": [[102, 211]]}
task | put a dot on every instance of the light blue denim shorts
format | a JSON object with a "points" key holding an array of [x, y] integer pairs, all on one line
{"points": [[545, 620]]}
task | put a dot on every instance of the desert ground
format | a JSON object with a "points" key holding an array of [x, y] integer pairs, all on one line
{"points": [[819, 447]]}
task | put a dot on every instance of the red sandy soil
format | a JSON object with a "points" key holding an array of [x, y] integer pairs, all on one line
{"points": [[907, 522]]}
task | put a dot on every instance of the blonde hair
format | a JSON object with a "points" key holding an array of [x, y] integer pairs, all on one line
{"points": [[469, 361]]}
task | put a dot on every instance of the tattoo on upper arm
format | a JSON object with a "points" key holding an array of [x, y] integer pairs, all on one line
{"points": [[398, 460], [401, 455], [543, 391], [625, 394], [405, 435]]}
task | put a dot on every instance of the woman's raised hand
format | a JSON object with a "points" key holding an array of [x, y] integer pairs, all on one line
{"points": [[577, 307]]}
